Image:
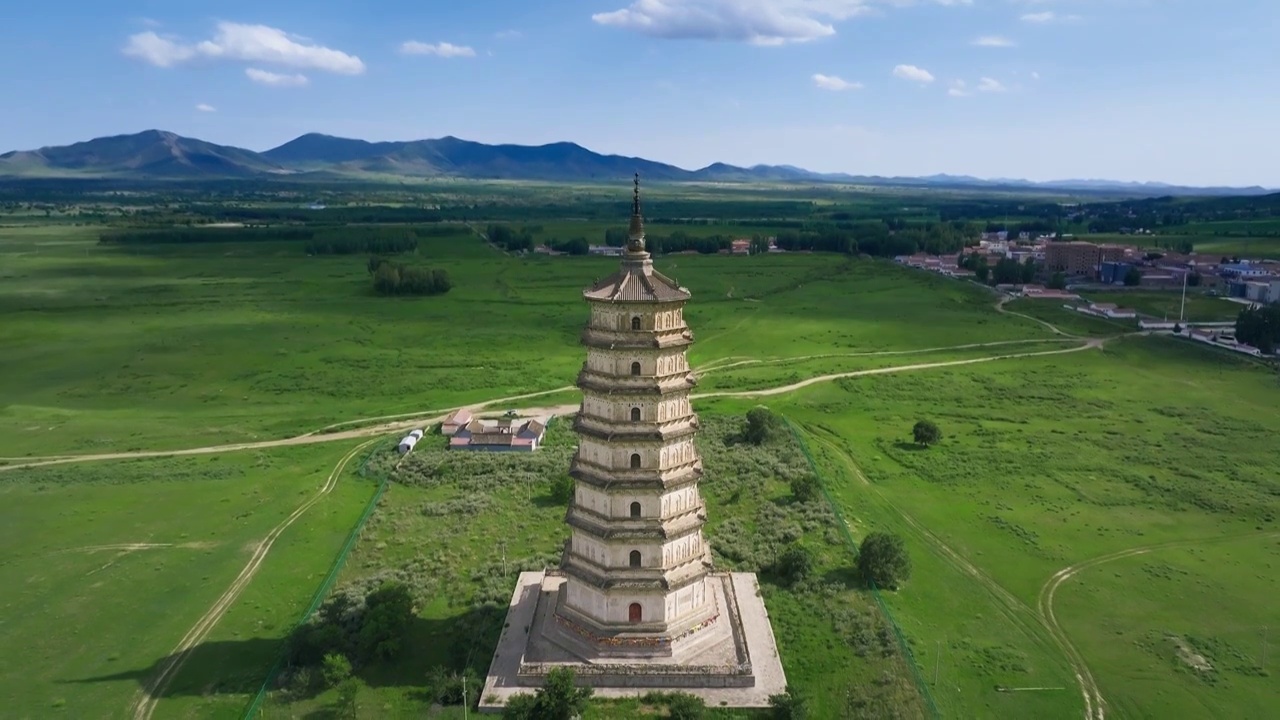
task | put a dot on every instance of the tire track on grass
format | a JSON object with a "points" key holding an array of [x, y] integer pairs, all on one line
{"points": [[1008, 604], [144, 702], [1044, 601]]}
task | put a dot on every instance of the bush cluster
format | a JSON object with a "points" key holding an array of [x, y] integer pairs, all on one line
{"points": [[395, 279]]}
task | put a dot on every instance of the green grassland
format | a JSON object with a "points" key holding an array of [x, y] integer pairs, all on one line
{"points": [[1161, 304], [87, 618], [156, 347], [1149, 446]]}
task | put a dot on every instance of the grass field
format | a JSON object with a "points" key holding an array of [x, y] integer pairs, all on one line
{"points": [[1053, 464], [109, 564], [234, 343], [1145, 464], [1161, 304]]}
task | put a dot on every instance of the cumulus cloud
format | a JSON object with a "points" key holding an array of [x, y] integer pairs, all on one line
{"points": [[763, 22], [206, 107], [265, 77], [248, 43], [508, 35], [994, 41], [913, 73], [832, 82], [990, 85], [442, 49], [958, 89], [159, 51]]}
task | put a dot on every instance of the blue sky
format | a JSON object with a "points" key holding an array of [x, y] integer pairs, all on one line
{"points": [[1184, 91]]}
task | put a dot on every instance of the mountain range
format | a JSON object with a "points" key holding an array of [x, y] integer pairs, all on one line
{"points": [[160, 155]]}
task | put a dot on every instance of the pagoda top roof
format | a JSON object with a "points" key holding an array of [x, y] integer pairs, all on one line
{"points": [[637, 281]]}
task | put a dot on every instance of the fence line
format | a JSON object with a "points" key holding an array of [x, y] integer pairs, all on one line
{"points": [[921, 686], [321, 592]]}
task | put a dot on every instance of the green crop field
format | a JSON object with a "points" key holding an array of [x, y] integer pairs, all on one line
{"points": [[1097, 522]]}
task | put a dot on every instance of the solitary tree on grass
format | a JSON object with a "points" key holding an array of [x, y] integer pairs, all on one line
{"points": [[926, 433], [883, 561], [762, 426]]}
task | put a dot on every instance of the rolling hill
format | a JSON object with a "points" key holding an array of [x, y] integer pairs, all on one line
{"points": [[156, 154]]}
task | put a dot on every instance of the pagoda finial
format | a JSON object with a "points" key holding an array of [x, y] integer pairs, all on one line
{"points": [[635, 234]]}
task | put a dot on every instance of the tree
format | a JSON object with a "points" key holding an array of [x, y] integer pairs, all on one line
{"points": [[388, 614], [794, 564], [1194, 279], [926, 433], [805, 488], [683, 706], [335, 668], [1058, 281], [559, 699], [562, 490], [521, 706], [348, 692], [762, 426], [982, 272], [1177, 329], [1133, 277], [883, 561], [787, 706]]}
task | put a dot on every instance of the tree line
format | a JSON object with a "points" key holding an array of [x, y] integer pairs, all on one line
{"points": [[395, 279], [1259, 327]]}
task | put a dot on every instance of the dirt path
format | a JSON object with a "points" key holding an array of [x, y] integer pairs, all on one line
{"points": [[1044, 602], [1089, 343], [713, 368], [144, 703], [1052, 328]]}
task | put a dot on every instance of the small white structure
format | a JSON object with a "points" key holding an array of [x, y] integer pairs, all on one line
{"points": [[407, 442]]}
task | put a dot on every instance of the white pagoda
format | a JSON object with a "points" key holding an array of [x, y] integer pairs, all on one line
{"points": [[635, 605]]}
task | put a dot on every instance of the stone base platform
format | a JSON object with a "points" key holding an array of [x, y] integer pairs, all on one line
{"points": [[729, 661]]}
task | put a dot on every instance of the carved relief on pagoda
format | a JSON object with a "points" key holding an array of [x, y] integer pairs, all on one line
{"points": [[679, 453], [636, 362], [685, 600], [682, 550], [674, 503], [674, 409]]}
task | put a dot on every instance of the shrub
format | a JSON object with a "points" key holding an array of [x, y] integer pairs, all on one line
{"points": [[805, 488], [562, 489], [794, 565], [762, 426], [683, 706], [335, 669], [883, 560], [787, 706]]}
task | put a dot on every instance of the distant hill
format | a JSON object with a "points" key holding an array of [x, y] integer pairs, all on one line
{"points": [[158, 154], [148, 154]]}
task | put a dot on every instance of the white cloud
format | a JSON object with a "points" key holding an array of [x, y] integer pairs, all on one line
{"points": [[994, 41], [1048, 16], [508, 35], [990, 85], [832, 82], [443, 49], [248, 43], [1035, 75], [206, 107], [913, 73], [159, 51], [259, 43], [958, 89], [264, 77], [762, 22]]}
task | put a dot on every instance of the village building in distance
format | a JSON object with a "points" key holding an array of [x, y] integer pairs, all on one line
{"points": [[636, 605], [467, 432]]}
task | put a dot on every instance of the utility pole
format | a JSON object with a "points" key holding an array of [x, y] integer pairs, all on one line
{"points": [[466, 703], [1182, 314]]}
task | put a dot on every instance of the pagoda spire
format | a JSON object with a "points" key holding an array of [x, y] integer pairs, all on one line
{"points": [[635, 234]]}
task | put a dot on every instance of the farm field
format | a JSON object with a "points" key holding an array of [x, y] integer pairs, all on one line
{"points": [[108, 565], [1086, 464]]}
